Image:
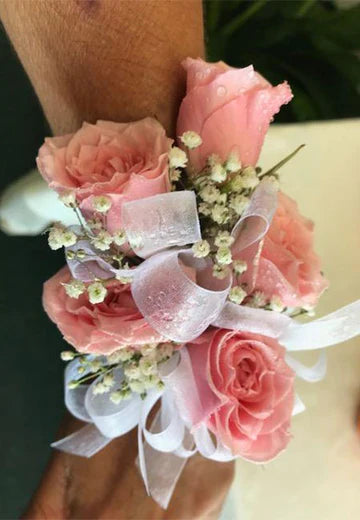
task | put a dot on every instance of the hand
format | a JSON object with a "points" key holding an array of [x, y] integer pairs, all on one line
{"points": [[109, 486]]}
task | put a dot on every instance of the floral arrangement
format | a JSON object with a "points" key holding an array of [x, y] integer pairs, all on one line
{"points": [[184, 277]]}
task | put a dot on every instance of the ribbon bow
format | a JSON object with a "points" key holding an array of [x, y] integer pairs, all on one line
{"points": [[180, 309]]}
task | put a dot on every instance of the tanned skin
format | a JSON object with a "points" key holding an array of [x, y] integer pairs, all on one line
{"points": [[117, 60]]}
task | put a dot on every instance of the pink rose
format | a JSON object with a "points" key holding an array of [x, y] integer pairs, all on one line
{"points": [[249, 374], [101, 328], [288, 266], [230, 108], [124, 161]]}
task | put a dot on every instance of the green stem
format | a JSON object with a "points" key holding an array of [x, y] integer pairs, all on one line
{"points": [[232, 26], [93, 375], [277, 166]]}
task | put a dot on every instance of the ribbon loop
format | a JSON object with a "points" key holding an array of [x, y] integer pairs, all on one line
{"points": [[160, 222], [91, 267], [173, 304], [256, 219], [113, 419]]}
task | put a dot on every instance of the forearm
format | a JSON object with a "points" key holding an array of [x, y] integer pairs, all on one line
{"points": [[105, 59], [116, 60]]}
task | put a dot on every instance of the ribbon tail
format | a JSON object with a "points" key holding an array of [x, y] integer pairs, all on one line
{"points": [[85, 442], [312, 374], [334, 328], [299, 406], [160, 470], [208, 449]]}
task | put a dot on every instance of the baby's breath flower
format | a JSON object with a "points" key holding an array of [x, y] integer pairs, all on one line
{"points": [[220, 271], [70, 255], [69, 238], [237, 294], [249, 177], [97, 292], [102, 240], [220, 214], [213, 159], [175, 175], [101, 203], [55, 237], [148, 349], [137, 386], [73, 384], [223, 256], [118, 258], [274, 181], [81, 254], [74, 288], [67, 355], [119, 237], [177, 158], [150, 381], [123, 279], [116, 397], [132, 371], [236, 184], [218, 173], [136, 241], [232, 164], [224, 239], [276, 304], [94, 224], [120, 395], [204, 209], [200, 181], [201, 249], [310, 309], [100, 388], [209, 194], [191, 139], [95, 365], [239, 266], [124, 354], [160, 385], [108, 379], [68, 198], [239, 203], [165, 350], [222, 199], [148, 365], [258, 299]]}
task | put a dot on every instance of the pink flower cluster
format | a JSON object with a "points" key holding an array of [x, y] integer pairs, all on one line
{"points": [[231, 110]]}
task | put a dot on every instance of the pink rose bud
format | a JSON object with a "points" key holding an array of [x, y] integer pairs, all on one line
{"points": [[230, 109]]}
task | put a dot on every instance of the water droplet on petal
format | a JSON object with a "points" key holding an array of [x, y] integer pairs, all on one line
{"points": [[221, 91]]}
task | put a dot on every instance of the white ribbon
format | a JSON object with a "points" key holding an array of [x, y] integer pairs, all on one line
{"points": [[162, 221], [180, 307], [168, 443]]}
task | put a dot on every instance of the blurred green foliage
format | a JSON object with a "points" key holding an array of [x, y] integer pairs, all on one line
{"points": [[310, 43]]}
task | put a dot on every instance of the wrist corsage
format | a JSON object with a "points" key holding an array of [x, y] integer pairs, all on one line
{"points": [[185, 275]]}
